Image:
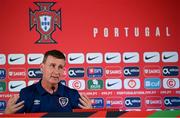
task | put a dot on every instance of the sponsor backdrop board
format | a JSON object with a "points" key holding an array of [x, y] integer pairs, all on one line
{"points": [[122, 53]]}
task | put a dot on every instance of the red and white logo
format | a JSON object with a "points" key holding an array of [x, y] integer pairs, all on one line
{"points": [[132, 83], [114, 102], [153, 102], [113, 71], [152, 71], [77, 84], [17, 73], [45, 21], [171, 83]]}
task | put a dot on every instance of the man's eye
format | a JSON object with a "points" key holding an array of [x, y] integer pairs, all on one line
{"points": [[52, 65], [60, 67]]}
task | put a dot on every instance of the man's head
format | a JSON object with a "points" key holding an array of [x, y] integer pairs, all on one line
{"points": [[54, 53], [53, 67]]}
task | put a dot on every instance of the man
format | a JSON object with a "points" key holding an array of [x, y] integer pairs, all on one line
{"points": [[48, 95]]}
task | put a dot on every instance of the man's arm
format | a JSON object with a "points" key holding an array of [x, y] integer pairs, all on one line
{"points": [[12, 105]]}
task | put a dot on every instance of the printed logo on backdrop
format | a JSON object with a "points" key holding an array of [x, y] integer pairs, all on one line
{"points": [[78, 84], [114, 102], [153, 102], [152, 71], [137, 31], [113, 71], [170, 57], [16, 86], [172, 102], [151, 57], [95, 84], [171, 83], [112, 57], [131, 57], [170, 71], [17, 73], [2, 105], [2, 74], [2, 59], [35, 58], [34, 73], [94, 72], [45, 19], [16, 59], [97, 102], [152, 83], [132, 102], [75, 58], [94, 58], [2, 86], [113, 84], [131, 71], [76, 72], [133, 83]]}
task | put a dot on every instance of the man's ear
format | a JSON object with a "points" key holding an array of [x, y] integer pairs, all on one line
{"points": [[41, 66]]}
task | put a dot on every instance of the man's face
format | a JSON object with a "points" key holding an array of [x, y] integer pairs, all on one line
{"points": [[53, 70]]}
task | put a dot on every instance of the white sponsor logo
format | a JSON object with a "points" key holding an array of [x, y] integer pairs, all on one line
{"points": [[171, 83], [113, 84], [151, 57], [63, 101], [170, 57], [35, 58], [37, 102], [112, 57], [2, 59], [132, 83], [131, 57], [77, 84], [94, 58], [76, 58], [16, 86], [16, 59]]}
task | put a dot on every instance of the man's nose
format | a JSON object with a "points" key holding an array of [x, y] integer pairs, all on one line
{"points": [[56, 70]]}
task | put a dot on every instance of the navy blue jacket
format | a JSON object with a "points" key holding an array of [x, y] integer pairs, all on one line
{"points": [[38, 100]]}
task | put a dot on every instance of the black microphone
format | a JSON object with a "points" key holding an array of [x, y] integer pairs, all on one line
{"points": [[53, 88]]}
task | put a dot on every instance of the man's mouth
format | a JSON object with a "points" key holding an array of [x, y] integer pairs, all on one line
{"points": [[55, 77]]}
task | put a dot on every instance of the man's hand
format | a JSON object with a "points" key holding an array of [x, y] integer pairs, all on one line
{"points": [[12, 107], [85, 102]]}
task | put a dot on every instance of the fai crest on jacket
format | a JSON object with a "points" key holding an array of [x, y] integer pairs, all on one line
{"points": [[45, 21]]}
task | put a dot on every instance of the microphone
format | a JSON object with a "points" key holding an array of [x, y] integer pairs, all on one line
{"points": [[53, 88]]}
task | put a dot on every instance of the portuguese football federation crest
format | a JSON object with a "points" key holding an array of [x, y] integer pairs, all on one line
{"points": [[45, 21]]}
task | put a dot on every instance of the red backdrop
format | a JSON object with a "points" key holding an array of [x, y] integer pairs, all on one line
{"points": [[99, 28]]}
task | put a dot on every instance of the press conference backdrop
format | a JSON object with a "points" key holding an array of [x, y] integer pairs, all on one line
{"points": [[121, 53]]}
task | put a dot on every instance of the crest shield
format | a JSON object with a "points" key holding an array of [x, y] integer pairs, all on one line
{"points": [[45, 22], [63, 101]]}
